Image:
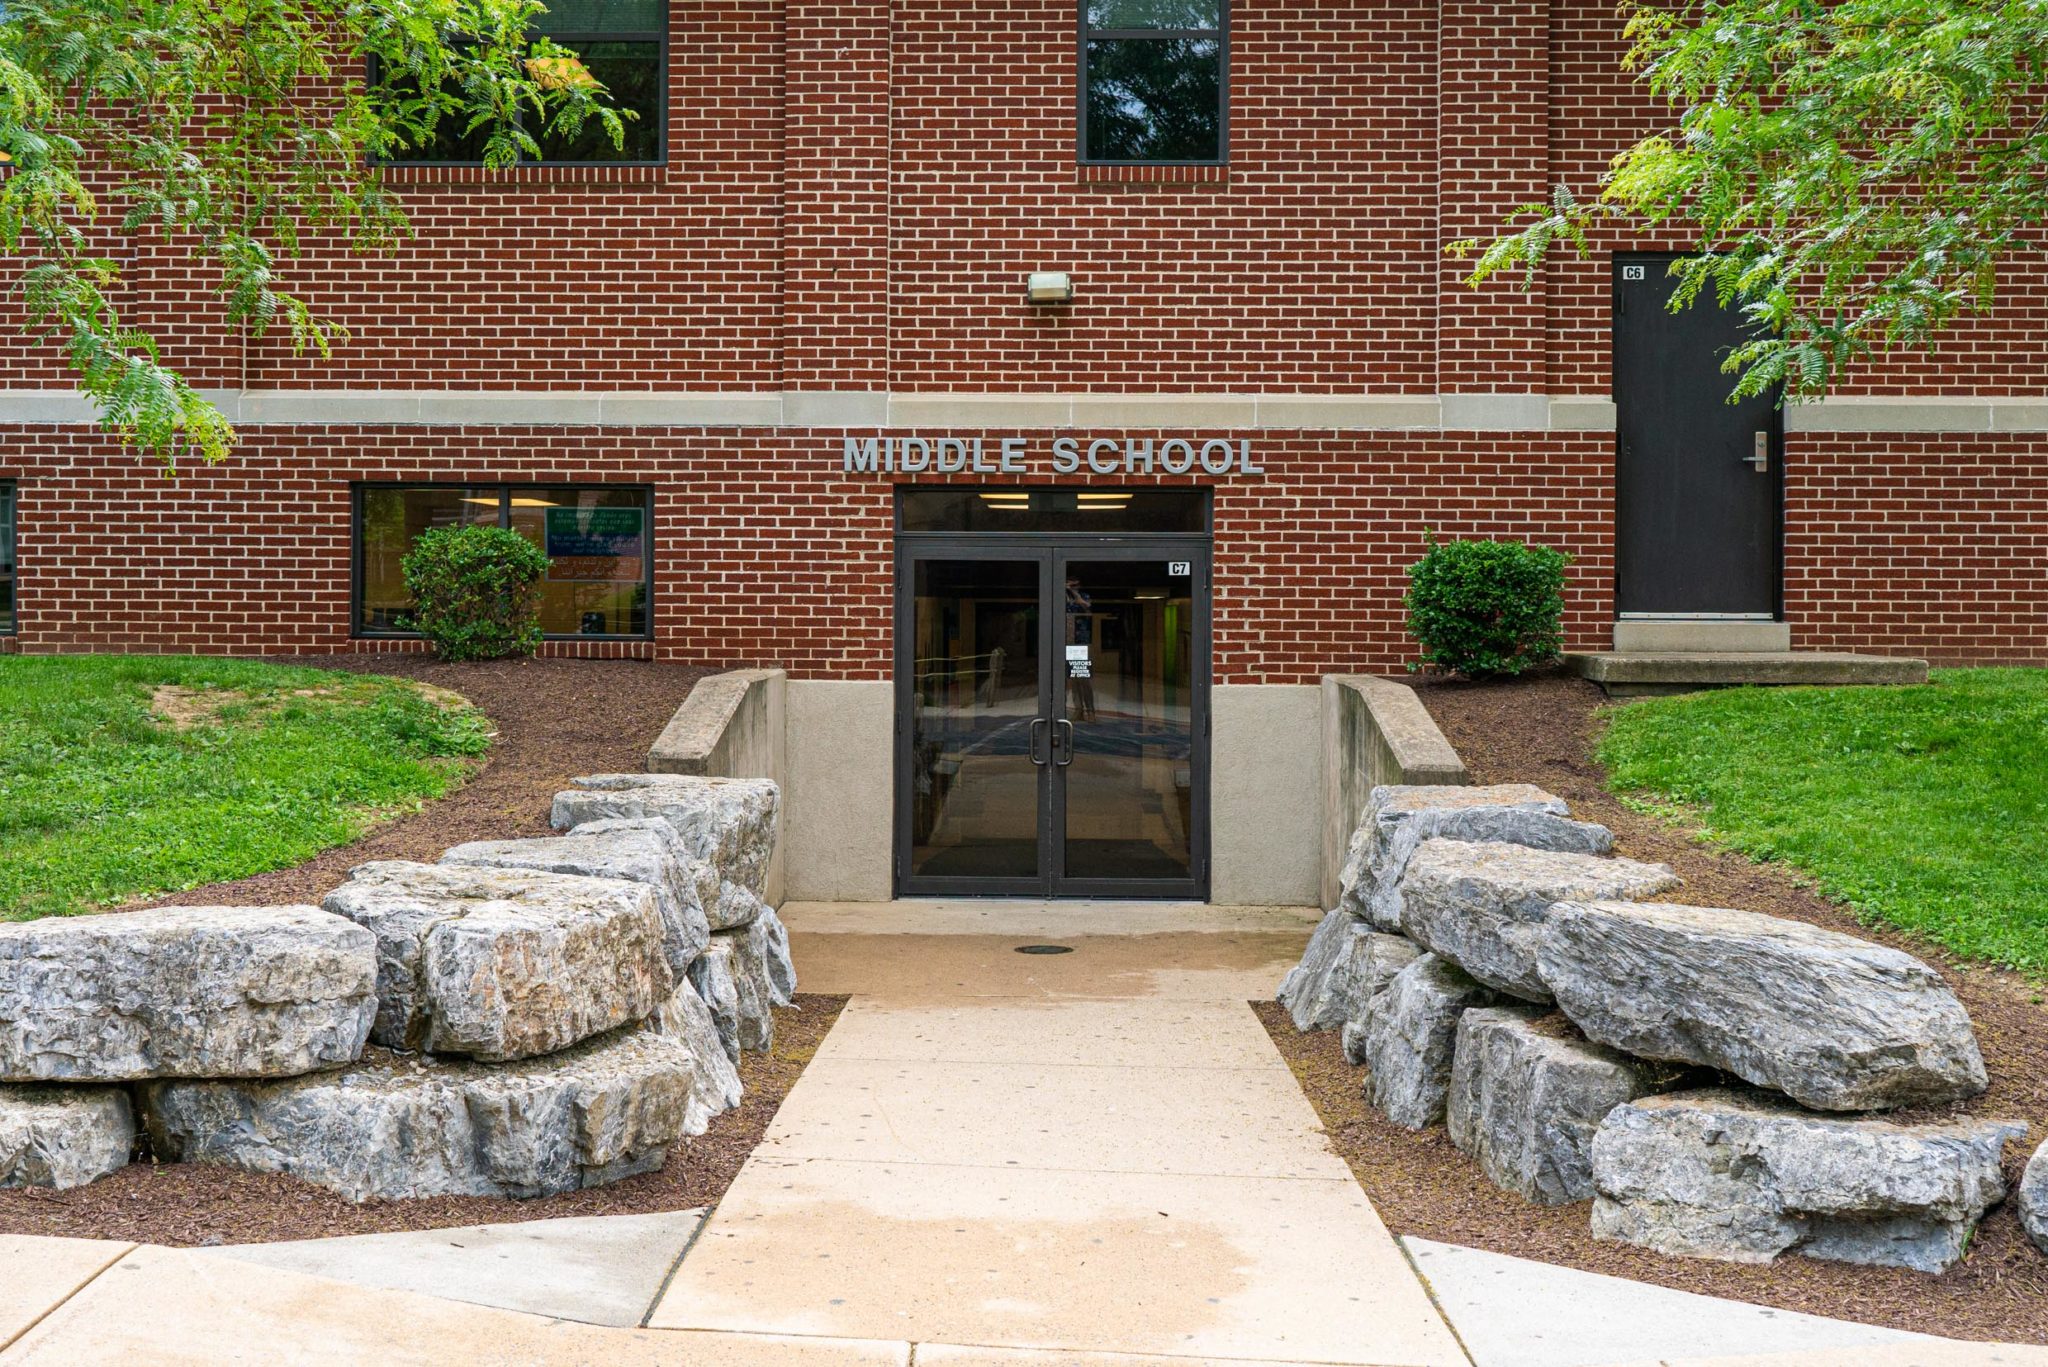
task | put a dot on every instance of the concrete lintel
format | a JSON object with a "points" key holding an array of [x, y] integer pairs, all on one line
{"points": [[690, 410], [823, 408], [1177, 411], [930, 411], [1341, 412], [1581, 413], [1879, 414]]}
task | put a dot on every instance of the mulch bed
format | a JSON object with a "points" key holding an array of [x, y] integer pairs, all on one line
{"points": [[188, 1204], [1542, 730], [556, 720]]}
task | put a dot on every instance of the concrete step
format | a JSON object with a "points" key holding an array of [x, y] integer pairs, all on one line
{"points": [[1645, 673]]}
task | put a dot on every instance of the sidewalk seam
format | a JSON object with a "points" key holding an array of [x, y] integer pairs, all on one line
{"points": [[1430, 1291], [29, 1328]]}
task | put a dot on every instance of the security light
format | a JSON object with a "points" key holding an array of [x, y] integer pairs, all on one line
{"points": [[1049, 287]]}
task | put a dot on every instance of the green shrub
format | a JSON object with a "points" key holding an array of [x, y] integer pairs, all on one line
{"points": [[1486, 608], [476, 592]]}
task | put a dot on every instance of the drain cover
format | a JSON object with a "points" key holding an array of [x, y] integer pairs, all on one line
{"points": [[1045, 949]]}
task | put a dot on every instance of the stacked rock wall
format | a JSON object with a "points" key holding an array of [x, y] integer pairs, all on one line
{"points": [[522, 1018], [1706, 1076]]}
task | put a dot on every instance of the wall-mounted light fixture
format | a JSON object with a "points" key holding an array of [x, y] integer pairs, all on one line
{"points": [[1049, 287]]}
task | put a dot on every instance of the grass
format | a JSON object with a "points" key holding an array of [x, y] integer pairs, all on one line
{"points": [[249, 767], [1924, 807]]}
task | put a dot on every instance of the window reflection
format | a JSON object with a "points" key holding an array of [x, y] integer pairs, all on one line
{"points": [[1153, 81], [6, 557]]}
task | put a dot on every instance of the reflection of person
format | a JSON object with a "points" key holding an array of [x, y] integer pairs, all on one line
{"points": [[996, 661], [1080, 632]]}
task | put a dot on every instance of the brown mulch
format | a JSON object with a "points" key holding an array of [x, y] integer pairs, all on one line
{"points": [[1542, 730], [206, 1203], [556, 720]]}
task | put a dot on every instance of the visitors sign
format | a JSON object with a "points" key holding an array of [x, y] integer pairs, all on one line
{"points": [[1057, 455], [596, 545]]}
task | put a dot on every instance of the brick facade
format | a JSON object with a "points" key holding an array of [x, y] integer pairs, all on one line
{"points": [[853, 194]]}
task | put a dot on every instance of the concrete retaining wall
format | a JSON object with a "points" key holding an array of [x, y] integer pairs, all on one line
{"points": [[733, 726], [1375, 731]]}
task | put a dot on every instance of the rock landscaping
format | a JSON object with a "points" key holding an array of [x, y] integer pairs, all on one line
{"points": [[1579, 1039], [519, 1019], [2033, 1198]]}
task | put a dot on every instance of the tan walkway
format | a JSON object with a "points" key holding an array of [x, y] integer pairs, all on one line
{"points": [[1094, 1151]]}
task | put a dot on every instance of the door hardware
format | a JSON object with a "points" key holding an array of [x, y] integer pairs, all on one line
{"points": [[1760, 454], [1031, 743], [1068, 749]]}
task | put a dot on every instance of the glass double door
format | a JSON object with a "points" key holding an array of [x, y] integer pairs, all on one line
{"points": [[1052, 735]]}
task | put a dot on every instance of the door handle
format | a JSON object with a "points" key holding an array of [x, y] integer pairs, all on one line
{"points": [[1032, 742], [1069, 749], [1759, 457]]}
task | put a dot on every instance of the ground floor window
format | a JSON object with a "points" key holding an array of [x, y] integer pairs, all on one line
{"points": [[598, 540], [6, 559]]}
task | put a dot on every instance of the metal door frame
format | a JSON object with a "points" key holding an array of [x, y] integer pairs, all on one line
{"points": [[1050, 551], [1776, 445]]}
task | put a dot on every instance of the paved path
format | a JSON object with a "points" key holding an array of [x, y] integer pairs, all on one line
{"points": [[1095, 1151]]}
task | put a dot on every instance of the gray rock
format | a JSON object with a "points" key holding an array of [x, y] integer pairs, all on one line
{"points": [[768, 940], [1485, 905], [1411, 1033], [1836, 1023], [1398, 818], [63, 1136], [714, 1082], [647, 851], [1741, 1177], [1354, 1036], [1525, 1100], [183, 992], [734, 907], [395, 1127], [729, 823], [2033, 1198], [732, 978], [505, 964], [1347, 963]]}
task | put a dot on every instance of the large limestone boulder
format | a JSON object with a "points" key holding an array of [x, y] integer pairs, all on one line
{"points": [[395, 1127], [1486, 905], [1741, 1177], [732, 978], [729, 823], [1346, 964], [646, 851], [714, 1081], [183, 992], [1411, 1033], [2033, 1198], [1399, 818], [505, 964], [63, 1135], [1526, 1098], [1836, 1023], [768, 941]]}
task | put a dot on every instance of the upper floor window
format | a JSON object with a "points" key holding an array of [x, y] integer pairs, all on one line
{"points": [[624, 44], [1153, 81]]}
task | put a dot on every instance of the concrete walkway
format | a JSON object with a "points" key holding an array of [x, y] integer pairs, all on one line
{"points": [[1093, 1159]]}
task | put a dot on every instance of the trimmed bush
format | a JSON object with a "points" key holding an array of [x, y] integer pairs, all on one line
{"points": [[1487, 608], [476, 592]]}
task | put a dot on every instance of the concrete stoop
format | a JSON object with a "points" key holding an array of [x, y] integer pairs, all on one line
{"points": [[1646, 673]]}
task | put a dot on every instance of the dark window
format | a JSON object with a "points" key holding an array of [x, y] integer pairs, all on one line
{"points": [[1154, 77], [6, 559], [959, 509], [598, 539], [622, 43]]}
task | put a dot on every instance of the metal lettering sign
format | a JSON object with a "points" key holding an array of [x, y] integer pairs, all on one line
{"points": [[1055, 455]]}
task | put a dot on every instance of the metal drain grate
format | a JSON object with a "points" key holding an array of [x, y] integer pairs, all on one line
{"points": [[1045, 949]]}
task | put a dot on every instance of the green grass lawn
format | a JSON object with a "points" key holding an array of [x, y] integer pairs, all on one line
{"points": [[257, 767], [1924, 807]]}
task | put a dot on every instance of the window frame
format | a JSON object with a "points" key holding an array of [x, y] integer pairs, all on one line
{"points": [[505, 491], [1083, 32], [574, 43], [10, 549]]}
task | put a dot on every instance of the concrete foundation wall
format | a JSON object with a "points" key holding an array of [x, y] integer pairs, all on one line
{"points": [[1266, 795], [838, 827]]}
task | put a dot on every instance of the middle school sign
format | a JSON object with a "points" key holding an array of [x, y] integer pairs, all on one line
{"points": [[1056, 455]]}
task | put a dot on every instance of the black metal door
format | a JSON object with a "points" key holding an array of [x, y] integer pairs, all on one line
{"points": [[1697, 478], [1052, 716]]}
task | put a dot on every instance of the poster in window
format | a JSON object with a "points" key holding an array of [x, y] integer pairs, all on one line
{"points": [[596, 545]]}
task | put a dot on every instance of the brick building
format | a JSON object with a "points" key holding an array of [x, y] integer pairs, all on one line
{"points": [[1166, 506]]}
